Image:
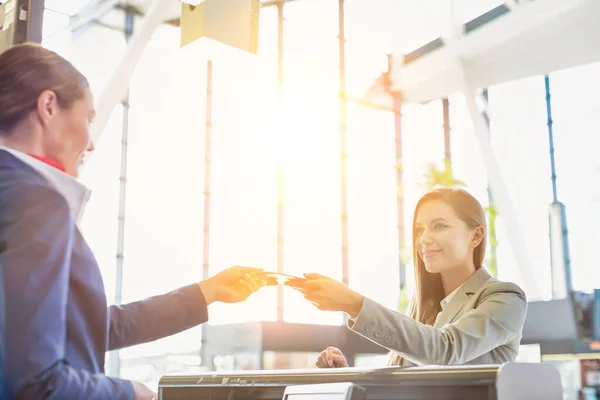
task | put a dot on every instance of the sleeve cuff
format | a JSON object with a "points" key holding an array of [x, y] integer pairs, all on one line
{"points": [[369, 324], [125, 388], [352, 321], [359, 321], [195, 298]]}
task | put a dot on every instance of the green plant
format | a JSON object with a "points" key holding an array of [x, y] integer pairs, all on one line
{"points": [[403, 299], [435, 177], [491, 261]]}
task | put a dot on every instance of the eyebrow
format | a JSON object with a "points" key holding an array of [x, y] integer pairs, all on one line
{"points": [[434, 221]]}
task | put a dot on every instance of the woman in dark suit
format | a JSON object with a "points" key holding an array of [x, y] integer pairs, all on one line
{"points": [[54, 321]]}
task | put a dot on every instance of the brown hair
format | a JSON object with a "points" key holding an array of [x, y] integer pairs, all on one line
{"points": [[26, 70], [429, 292]]}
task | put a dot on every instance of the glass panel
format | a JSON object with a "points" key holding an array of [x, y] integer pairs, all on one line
{"points": [[163, 231], [575, 105], [99, 223], [55, 37], [467, 161], [466, 10], [312, 197], [373, 232], [311, 48], [67, 7], [520, 140]]}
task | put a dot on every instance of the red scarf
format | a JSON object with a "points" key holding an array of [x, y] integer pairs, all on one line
{"points": [[50, 161]]}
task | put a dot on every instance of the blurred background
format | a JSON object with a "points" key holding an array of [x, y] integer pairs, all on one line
{"points": [[319, 130]]}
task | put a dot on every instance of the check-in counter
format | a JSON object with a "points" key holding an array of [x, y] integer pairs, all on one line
{"points": [[512, 381]]}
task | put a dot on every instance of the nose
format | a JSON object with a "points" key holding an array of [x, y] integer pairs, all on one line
{"points": [[91, 146], [425, 238]]}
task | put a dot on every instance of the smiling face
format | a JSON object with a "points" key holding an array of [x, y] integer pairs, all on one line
{"points": [[443, 240]]}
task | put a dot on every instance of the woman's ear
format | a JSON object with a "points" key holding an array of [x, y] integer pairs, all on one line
{"points": [[478, 235], [47, 106]]}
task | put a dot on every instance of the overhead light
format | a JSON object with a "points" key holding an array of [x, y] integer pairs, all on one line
{"points": [[192, 3]]}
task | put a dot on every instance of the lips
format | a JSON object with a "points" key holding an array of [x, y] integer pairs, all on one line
{"points": [[429, 254]]}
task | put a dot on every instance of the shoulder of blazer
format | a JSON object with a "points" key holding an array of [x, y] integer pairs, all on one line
{"points": [[494, 287], [20, 195], [15, 173]]}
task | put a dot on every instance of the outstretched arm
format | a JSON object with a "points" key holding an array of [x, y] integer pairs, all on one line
{"points": [[496, 321], [160, 316], [156, 317]]}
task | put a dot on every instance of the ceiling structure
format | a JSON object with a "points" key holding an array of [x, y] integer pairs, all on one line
{"points": [[403, 24], [518, 38], [505, 44]]}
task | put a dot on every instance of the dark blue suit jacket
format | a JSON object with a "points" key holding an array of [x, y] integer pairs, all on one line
{"points": [[54, 320]]}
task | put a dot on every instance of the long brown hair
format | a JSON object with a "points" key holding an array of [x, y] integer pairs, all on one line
{"points": [[26, 70], [429, 291]]}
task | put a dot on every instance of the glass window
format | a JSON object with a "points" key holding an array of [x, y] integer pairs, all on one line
{"points": [[575, 105], [372, 204], [520, 141]]}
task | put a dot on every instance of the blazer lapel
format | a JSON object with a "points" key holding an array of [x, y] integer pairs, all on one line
{"points": [[459, 300]]}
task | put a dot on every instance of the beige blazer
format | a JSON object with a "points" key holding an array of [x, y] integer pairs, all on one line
{"points": [[482, 324]]}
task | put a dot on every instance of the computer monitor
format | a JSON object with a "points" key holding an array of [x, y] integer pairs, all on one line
{"points": [[325, 391]]}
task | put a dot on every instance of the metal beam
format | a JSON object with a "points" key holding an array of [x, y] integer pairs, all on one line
{"points": [[343, 105], [115, 358], [533, 39], [560, 259], [498, 187], [119, 81], [280, 163], [272, 3], [86, 16], [493, 240], [204, 353], [399, 167]]}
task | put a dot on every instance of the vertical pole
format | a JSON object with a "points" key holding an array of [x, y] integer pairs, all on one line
{"points": [[550, 124], [397, 109], [28, 21], [280, 167], [447, 149], [493, 264], [343, 102], [560, 259], [207, 172], [115, 361], [206, 223]]}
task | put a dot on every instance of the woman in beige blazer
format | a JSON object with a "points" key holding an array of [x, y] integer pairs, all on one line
{"points": [[459, 314]]}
